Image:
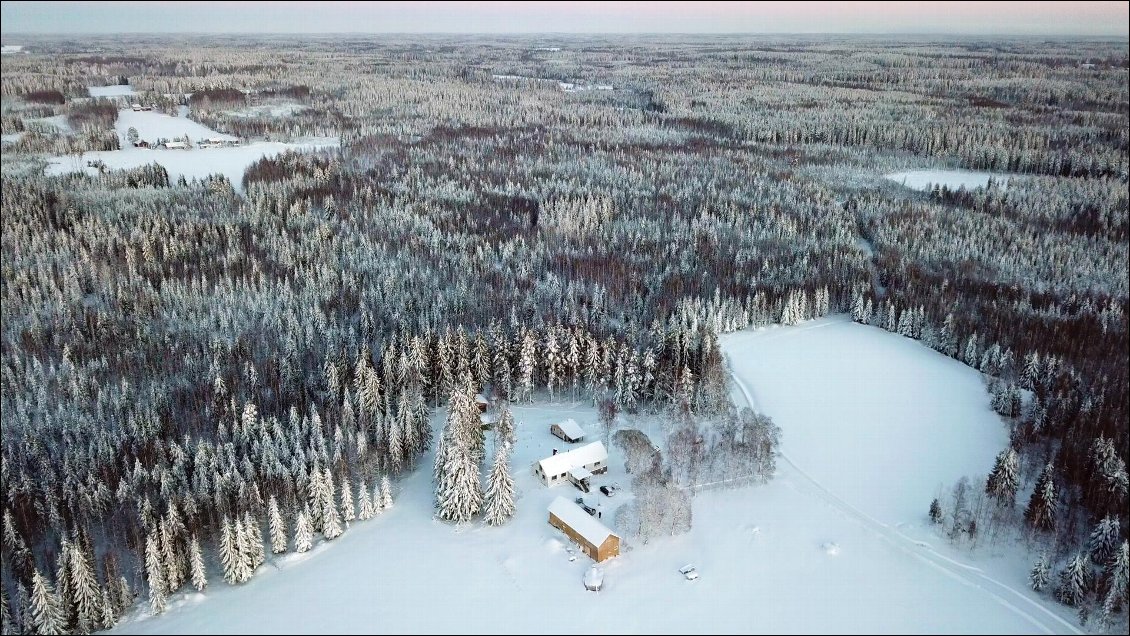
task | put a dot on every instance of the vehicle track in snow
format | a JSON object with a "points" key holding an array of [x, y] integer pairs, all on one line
{"points": [[966, 574]]}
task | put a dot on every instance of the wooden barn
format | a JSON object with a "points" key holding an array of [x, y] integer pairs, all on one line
{"points": [[569, 431], [594, 538], [554, 470]]}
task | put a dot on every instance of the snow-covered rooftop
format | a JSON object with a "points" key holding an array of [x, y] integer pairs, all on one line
{"points": [[571, 429], [564, 462], [580, 473], [584, 524]]}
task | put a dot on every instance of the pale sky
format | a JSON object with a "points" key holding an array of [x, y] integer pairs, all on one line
{"points": [[976, 18]]}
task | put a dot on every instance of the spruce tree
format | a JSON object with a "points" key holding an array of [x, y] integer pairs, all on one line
{"points": [[229, 552], [1004, 480], [1073, 581], [1041, 511], [386, 492], [155, 574], [276, 526], [84, 587], [196, 565], [46, 613], [1041, 573], [500, 488], [365, 502], [303, 533]]}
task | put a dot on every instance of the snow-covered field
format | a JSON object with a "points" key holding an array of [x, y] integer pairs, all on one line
{"points": [[116, 90], [953, 179], [196, 163], [871, 423], [9, 49], [269, 110]]}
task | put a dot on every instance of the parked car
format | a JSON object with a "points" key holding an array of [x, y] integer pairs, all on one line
{"points": [[689, 572], [584, 506], [609, 490]]}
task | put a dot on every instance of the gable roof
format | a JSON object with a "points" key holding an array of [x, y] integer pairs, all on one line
{"points": [[571, 429], [564, 462], [582, 522]]}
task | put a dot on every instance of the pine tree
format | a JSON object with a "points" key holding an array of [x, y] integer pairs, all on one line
{"points": [[365, 502], [386, 492], [936, 511], [303, 533], [500, 488], [1104, 540], [526, 366], [244, 553], [1004, 480], [331, 520], [46, 613], [1118, 582], [109, 612], [348, 511], [229, 552], [1073, 581], [254, 533], [155, 574], [84, 587], [1041, 511], [196, 565], [1041, 573], [276, 526]]}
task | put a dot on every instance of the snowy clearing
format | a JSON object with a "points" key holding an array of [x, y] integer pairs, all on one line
{"points": [[191, 164], [196, 163], [953, 179], [152, 126], [766, 555], [8, 49], [115, 90], [269, 110]]}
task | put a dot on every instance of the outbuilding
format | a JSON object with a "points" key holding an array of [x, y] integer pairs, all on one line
{"points": [[594, 538], [569, 431]]}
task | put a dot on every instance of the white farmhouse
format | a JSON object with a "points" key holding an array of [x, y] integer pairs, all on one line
{"points": [[555, 470]]}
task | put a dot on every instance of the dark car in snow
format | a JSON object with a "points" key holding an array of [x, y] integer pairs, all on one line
{"points": [[609, 490]]}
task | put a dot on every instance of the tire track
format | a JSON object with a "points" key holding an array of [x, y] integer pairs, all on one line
{"points": [[967, 575]]}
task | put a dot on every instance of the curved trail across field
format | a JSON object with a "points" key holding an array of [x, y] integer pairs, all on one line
{"points": [[1039, 616]]}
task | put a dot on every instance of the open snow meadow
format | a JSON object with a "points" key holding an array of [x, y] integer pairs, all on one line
{"points": [[196, 163], [872, 424]]}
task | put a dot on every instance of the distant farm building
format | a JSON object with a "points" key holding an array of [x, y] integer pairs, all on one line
{"points": [[140, 107], [217, 142], [176, 145], [594, 538], [141, 144], [554, 470], [568, 431], [487, 421]]}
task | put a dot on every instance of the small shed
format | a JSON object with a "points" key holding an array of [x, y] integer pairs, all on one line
{"points": [[593, 537], [487, 421], [569, 431], [482, 402]]}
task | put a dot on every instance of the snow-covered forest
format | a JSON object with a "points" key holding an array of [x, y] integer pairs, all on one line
{"points": [[201, 371]]}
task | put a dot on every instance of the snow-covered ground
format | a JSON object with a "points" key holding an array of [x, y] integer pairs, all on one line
{"points": [[269, 110], [195, 163], [9, 49], [152, 126], [953, 179], [116, 90], [869, 422]]}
